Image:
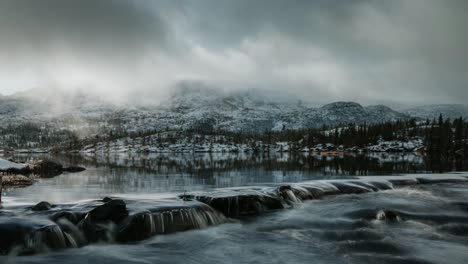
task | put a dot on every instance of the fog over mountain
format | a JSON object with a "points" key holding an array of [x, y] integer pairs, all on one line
{"points": [[374, 52]]}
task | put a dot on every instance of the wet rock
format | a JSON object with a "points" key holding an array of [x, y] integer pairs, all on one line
{"points": [[287, 194], [114, 210], [313, 192], [388, 216], [382, 185], [100, 223], [350, 188], [318, 189], [137, 227], [326, 187], [303, 193], [73, 217], [242, 202], [366, 185], [404, 181], [190, 215], [29, 236], [169, 219], [106, 199], [45, 166], [42, 206], [16, 181], [72, 234]]}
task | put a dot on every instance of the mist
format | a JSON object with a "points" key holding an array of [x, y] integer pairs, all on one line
{"points": [[396, 52]]}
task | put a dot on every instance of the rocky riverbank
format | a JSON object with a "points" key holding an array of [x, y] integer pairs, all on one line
{"points": [[44, 226], [17, 175]]}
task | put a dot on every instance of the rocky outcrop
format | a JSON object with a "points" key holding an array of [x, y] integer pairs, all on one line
{"points": [[11, 172], [42, 206], [100, 223], [49, 227], [29, 235], [44, 168]]}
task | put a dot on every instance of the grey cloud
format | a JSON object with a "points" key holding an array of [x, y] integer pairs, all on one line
{"points": [[366, 50], [109, 29]]}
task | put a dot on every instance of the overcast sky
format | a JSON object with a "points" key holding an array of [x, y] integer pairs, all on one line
{"points": [[398, 51]]}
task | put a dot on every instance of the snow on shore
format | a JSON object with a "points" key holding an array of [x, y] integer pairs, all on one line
{"points": [[5, 164]]}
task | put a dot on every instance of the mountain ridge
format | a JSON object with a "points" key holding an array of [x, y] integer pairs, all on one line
{"points": [[241, 111]]}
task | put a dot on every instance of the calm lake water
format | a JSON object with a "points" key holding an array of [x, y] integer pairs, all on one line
{"points": [[159, 174], [335, 229]]}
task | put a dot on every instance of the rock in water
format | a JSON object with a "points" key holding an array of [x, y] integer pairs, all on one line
{"points": [[101, 222], [29, 236], [74, 169], [42, 206], [238, 203], [45, 166], [137, 227], [72, 217], [388, 216], [168, 219]]}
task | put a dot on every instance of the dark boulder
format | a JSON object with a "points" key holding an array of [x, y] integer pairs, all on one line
{"points": [[114, 210], [137, 227], [106, 199], [45, 166], [74, 237], [167, 219], [29, 236], [242, 202], [187, 216], [100, 224], [72, 217], [42, 206]]}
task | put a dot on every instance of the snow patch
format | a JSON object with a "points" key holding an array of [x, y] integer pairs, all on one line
{"points": [[5, 165]]}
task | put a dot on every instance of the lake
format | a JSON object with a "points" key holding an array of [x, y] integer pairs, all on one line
{"points": [[431, 227]]}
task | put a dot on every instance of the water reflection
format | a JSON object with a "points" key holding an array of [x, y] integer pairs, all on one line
{"points": [[156, 174], [202, 163]]}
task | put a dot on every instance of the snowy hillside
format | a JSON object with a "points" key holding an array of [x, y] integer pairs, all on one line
{"points": [[200, 108]]}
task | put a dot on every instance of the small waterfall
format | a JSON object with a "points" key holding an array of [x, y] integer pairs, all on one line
{"points": [[73, 236], [71, 241], [169, 219], [195, 216], [42, 239], [109, 220]]}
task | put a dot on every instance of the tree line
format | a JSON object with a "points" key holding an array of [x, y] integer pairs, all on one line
{"points": [[443, 138]]}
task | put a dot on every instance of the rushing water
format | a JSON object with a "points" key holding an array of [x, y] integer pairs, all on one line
{"points": [[431, 227]]}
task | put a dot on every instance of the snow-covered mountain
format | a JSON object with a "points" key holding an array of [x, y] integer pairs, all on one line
{"points": [[202, 108]]}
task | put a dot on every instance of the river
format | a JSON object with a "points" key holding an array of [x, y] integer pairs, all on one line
{"points": [[431, 223]]}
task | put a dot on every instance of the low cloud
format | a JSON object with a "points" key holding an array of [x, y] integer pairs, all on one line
{"points": [[408, 52]]}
